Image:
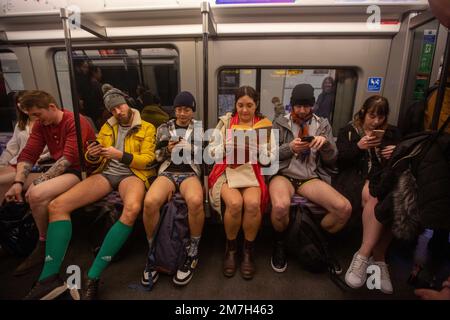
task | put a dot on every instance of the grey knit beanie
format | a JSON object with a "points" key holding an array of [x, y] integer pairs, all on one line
{"points": [[112, 97]]}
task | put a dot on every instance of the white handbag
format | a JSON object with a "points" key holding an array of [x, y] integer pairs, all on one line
{"points": [[242, 176]]}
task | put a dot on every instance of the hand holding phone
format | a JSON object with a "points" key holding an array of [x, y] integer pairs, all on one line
{"points": [[175, 139], [94, 148], [378, 133], [90, 142], [307, 139], [162, 144]]}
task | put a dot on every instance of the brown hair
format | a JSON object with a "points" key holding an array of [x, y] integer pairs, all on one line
{"points": [[22, 117], [252, 93], [376, 104], [36, 98], [333, 84]]}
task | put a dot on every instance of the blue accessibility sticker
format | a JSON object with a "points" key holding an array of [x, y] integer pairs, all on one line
{"points": [[374, 84]]}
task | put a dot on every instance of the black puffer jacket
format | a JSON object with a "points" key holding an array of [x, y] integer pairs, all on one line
{"points": [[353, 164], [425, 155]]}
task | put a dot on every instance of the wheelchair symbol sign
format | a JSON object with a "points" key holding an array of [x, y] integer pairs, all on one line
{"points": [[374, 84]]}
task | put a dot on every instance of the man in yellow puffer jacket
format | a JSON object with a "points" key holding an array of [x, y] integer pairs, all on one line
{"points": [[139, 146], [125, 150]]}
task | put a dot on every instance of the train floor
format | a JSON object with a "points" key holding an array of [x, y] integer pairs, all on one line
{"points": [[121, 280]]}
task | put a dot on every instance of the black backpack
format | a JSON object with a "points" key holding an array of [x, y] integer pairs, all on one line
{"points": [[306, 242], [168, 251], [108, 212], [18, 232]]}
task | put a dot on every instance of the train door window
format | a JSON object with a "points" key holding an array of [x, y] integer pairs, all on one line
{"points": [[420, 67], [229, 81], [10, 82], [334, 90], [135, 71]]}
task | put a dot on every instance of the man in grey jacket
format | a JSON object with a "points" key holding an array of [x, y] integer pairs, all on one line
{"points": [[306, 148]]}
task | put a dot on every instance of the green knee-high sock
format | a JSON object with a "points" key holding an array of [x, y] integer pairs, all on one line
{"points": [[59, 234], [114, 240]]}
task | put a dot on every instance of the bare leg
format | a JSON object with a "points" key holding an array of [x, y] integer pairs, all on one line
{"points": [[160, 192], [281, 192], [372, 229], [338, 207], [252, 212], [40, 196], [7, 176], [380, 249], [132, 191], [233, 211], [86, 192], [192, 192]]}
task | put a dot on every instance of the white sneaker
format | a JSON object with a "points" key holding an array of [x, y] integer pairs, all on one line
{"points": [[386, 284], [145, 280], [357, 272]]}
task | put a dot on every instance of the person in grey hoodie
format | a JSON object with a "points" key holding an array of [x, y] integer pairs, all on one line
{"points": [[307, 147]]}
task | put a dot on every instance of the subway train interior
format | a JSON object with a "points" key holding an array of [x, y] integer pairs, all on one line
{"points": [[396, 49]]}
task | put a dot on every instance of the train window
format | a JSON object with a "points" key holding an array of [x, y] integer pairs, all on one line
{"points": [[10, 82], [334, 89], [132, 70]]}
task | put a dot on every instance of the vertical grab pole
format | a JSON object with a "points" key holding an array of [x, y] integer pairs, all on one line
{"points": [[64, 13], [205, 26], [141, 68], [205, 8], [442, 85]]}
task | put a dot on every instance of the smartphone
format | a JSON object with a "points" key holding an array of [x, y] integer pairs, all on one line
{"points": [[307, 139], [378, 133], [175, 138], [162, 144], [89, 142]]}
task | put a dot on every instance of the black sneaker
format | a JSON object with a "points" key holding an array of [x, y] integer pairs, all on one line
{"points": [[279, 258], [145, 280], [186, 271], [47, 289], [91, 292], [334, 263]]}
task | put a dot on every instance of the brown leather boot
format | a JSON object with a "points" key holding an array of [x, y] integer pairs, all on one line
{"points": [[248, 264], [229, 261]]}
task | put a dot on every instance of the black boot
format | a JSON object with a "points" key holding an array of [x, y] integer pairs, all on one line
{"points": [[91, 292]]}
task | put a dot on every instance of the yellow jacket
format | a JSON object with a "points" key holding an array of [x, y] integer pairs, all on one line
{"points": [[445, 111], [139, 146]]}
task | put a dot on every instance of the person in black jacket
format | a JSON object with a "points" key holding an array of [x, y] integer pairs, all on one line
{"points": [[364, 146]]}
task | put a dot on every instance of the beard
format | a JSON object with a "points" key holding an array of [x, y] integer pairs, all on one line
{"points": [[126, 120]]}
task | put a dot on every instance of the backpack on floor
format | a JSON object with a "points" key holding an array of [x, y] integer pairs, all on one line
{"points": [[18, 231], [168, 250], [306, 242], [108, 211]]}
